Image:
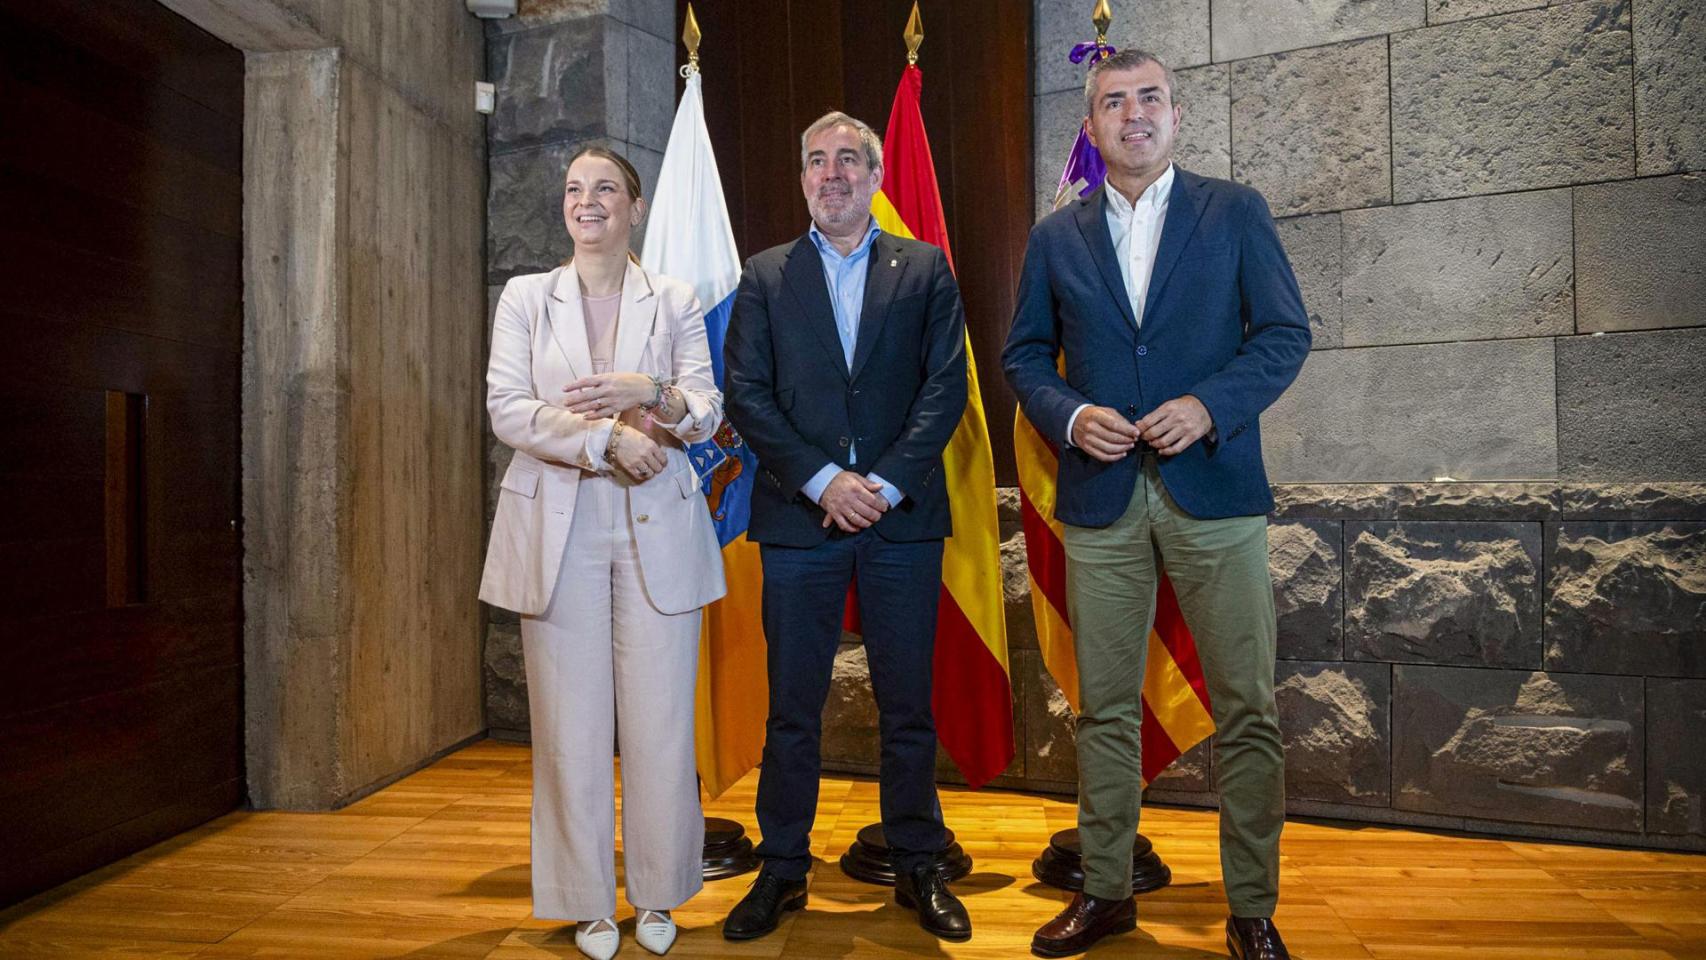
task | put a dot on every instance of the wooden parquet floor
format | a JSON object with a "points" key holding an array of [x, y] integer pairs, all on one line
{"points": [[436, 866]]}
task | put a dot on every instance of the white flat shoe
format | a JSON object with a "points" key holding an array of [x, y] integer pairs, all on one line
{"points": [[654, 930], [598, 939]]}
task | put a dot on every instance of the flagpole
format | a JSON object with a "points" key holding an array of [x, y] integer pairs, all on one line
{"points": [[1061, 864], [728, 851], [868, 858]]}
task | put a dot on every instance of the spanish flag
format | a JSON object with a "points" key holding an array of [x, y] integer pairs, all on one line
{"points": [[690, 238], [1175, 698], [973, 694]]}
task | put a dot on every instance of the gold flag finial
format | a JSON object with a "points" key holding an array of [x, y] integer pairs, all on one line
{"points": [[690, 35], [914, 35], [1102, 17]]}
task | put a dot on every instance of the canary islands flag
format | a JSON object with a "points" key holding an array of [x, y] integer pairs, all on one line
{"points": [[689, 238]]}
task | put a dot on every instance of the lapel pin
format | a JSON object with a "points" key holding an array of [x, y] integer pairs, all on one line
{"points": [[894, 263]]}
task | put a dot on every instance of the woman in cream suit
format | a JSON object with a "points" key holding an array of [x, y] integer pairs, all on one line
{"points": [[600, 373]]}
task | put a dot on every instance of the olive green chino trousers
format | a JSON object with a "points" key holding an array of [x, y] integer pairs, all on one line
{"points": [[1219, 571]]}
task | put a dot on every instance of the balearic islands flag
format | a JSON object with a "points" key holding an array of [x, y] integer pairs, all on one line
{"points": [[973, 695], [1175, 698], [689, 238]]}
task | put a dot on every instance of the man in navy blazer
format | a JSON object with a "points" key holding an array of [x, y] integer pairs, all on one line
{"points": [[1175, 314], [846, 374]]}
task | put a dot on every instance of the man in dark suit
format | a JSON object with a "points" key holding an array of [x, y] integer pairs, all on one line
{"points": [[846, 374], [1180, 322]]}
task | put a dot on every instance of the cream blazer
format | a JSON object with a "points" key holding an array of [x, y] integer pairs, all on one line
{"points": [[539, 346]]}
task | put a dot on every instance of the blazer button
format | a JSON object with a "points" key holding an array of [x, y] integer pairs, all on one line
{"points": [[642, 518], [842, 441], [1142, 350]]}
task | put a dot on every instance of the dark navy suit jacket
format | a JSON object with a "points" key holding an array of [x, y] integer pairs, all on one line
{"points": [[788, 391], [1223, 322]]}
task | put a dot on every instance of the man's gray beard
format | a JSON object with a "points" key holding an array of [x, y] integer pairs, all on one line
{"points": [[849, 212]]}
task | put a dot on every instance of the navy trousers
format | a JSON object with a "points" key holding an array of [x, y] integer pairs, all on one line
{"points": [[805, 591]]}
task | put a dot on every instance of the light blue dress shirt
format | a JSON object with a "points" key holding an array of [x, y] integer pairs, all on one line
{"points": [[845, 276]]}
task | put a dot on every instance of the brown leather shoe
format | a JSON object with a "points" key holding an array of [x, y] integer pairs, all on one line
{"points": [[1085, 920], [1254, 938]]}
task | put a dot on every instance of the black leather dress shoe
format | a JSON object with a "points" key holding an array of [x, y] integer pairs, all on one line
{"points": [[939, 911], [760, 911], [1254, 938], [1085, 920]]}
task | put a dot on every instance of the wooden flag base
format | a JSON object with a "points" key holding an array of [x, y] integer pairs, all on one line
{"points": [[728, 850], [1062, 864], [868, 858]]}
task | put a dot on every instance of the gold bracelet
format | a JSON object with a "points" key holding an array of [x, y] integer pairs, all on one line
{"points": [[610, 445]]}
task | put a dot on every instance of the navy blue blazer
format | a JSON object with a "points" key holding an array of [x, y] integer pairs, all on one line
{"points": [[788, 391], [1223, 322]]}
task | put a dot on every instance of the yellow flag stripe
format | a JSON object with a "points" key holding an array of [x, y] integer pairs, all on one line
{"points": [[975, 549]]}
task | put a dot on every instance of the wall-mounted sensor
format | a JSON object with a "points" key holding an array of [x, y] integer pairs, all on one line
{"points": [[492, 9], [485, 97]]}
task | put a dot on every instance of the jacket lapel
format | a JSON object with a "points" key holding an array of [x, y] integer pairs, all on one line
{"points": [[1183, 211], [1092, 220], [803, 274], [881, 281], [568, 322], [634, 321]]}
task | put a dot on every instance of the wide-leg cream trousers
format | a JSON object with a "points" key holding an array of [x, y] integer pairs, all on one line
{"points": [[601, 652]]}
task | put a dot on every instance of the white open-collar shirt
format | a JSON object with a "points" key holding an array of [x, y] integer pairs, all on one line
{"points": [[1136, 231]]}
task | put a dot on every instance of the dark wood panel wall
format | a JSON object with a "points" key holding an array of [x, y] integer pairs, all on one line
{"points": [[771, 67], [121, 145]]}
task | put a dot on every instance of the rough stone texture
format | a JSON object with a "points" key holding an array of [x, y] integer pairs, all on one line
{"points": [[1446, 11], [1205, 132], [1676, 766], [1016, 594], [1333, 718], [524, 206], [1310, 128], [1631, 406], [1670, 85], [850, 733], [1193, 772], [1385, 414], [1462, 92], [1477, 268], [1641, 253], [1627, 598], [1443, 592], [563, 83], [1245, 28], [1174, 30], [1418, 501], [1306, 562], [506, 679], [656, 17], [1057, 118], [1315, 247], [1512, 745], [1051, 747], [1634, 501]]}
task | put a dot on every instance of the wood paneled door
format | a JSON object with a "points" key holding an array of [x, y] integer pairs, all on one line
{"points": [[121, 146]]}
